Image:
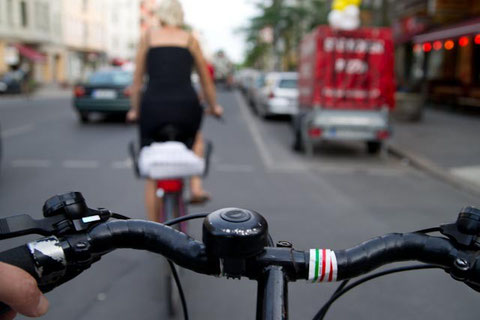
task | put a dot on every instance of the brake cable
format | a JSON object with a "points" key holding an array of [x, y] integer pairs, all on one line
{"points": [[343, 288], [178, 283]]}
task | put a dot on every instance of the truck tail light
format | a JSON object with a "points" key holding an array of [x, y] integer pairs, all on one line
{"points": [[271, 95], [315, 132], [383, 134], [79, 91]]}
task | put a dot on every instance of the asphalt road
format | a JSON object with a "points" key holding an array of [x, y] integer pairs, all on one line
{"points": [[335, 200]]}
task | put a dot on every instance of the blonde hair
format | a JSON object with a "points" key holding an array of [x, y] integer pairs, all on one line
{"points": [[170, 12]]}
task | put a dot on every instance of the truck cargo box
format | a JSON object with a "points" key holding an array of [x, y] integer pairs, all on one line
{"points": [[347, 69]]}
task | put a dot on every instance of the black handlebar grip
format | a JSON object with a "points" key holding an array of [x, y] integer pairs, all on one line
{"points": [[21, 258]]}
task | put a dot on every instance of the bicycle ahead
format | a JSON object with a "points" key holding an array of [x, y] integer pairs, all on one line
{"points": [[169, 164], [236, 243]]}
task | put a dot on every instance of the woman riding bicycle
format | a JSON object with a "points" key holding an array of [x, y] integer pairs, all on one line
{"points": [[167, 55]]}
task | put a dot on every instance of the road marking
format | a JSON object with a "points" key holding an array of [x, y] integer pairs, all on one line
{"points": [[255, 132], [234, 168], [80, 164], [124, 164], [31, 163], [471, 173], [8, 133]]}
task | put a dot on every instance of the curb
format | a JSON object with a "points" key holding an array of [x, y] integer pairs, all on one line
{"points": [[433, 169]]}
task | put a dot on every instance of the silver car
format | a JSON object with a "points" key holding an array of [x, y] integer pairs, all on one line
{"points": [[279, 96]]}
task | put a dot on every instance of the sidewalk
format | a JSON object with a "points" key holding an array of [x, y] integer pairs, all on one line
{"points": [[44, 92], [445, 143], [52, 91]]}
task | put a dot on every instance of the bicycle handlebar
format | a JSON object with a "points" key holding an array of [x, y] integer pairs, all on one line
{"points": [[235, 244], [192, 254]]}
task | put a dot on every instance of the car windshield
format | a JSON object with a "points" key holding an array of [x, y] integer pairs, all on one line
{"points": [[260, 81], [288, 84], [111, 78]]}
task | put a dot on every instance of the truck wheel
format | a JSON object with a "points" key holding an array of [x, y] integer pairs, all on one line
{"points": [[373, 147], [298, 143], [83, 117]]}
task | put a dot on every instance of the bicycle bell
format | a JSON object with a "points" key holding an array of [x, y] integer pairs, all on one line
{"points": [[234, 235]]}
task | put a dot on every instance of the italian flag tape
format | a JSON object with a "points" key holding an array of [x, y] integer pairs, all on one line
{"points": [[323, 266]]}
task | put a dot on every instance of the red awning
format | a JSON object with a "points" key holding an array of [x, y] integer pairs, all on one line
{"points": [[30, 53], [454, 31]]}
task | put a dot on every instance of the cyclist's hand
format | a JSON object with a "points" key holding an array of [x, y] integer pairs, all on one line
{"points": [[216, 111], [132, 116], [19, 290]]}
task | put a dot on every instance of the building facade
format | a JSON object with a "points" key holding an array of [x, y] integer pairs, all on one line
{"points": [[122, 29], [31, 38], [438, 49], [63, 41], [84, 36], [147, 14]]}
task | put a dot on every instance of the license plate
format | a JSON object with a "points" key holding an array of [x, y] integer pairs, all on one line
{"points": [[104, 94], [346, 133]]}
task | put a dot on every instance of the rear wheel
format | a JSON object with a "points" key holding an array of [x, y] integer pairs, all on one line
{"points": [[263, 113], [374, 147], [83, 117], [298, 143]]}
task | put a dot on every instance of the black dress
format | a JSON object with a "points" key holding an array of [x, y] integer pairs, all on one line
{"points": [[169, 98]]}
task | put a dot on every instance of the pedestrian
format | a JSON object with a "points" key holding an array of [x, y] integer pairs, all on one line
{"points": [[167, 55]]}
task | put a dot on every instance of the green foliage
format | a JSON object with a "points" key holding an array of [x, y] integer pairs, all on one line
{"points": [[289, 24]]}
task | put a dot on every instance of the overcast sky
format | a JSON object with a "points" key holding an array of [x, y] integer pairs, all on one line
{"points": [[218, 20]]}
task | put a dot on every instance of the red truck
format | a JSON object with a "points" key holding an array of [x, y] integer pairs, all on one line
{"points": [[346, 87]]}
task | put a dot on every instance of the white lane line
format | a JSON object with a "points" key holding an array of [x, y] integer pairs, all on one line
{"points": [[234, 168], [31, 163], [254, 131], [124, 164], [8, 133], [471, 173], [80, 164]]}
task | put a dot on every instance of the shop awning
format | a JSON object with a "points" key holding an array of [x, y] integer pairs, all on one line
{"points": [[451, 32], [30, 53]]}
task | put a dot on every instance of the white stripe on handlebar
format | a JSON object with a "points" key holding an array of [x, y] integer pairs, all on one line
{"points": [[323, 266]]}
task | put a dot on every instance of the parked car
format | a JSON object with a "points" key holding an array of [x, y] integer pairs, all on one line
{"points": [[257, 82], [0, 147], [279, 95], [244, 78], [12, 82], [106, 91]]}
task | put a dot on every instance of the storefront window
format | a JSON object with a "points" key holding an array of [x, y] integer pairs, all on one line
{"points": [[418, 65], [23, 14], [476, 64], [435, 65]]}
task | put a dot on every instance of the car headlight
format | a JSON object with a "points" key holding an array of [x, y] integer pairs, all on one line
{"points": [[3, 86]]}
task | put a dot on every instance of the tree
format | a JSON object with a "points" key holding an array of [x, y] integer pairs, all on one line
{"points": [[289, 22]]}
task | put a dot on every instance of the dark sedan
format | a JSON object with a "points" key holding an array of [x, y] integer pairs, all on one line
{"points": [[105, 92], [12, 82]]}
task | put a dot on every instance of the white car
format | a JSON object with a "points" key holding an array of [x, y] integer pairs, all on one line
{"points": [[279, 96]]}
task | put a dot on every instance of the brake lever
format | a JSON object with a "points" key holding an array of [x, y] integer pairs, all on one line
{"points": [[67, 213]]}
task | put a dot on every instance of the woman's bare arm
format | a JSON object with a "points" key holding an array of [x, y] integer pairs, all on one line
{"points": [[206, 81]]}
